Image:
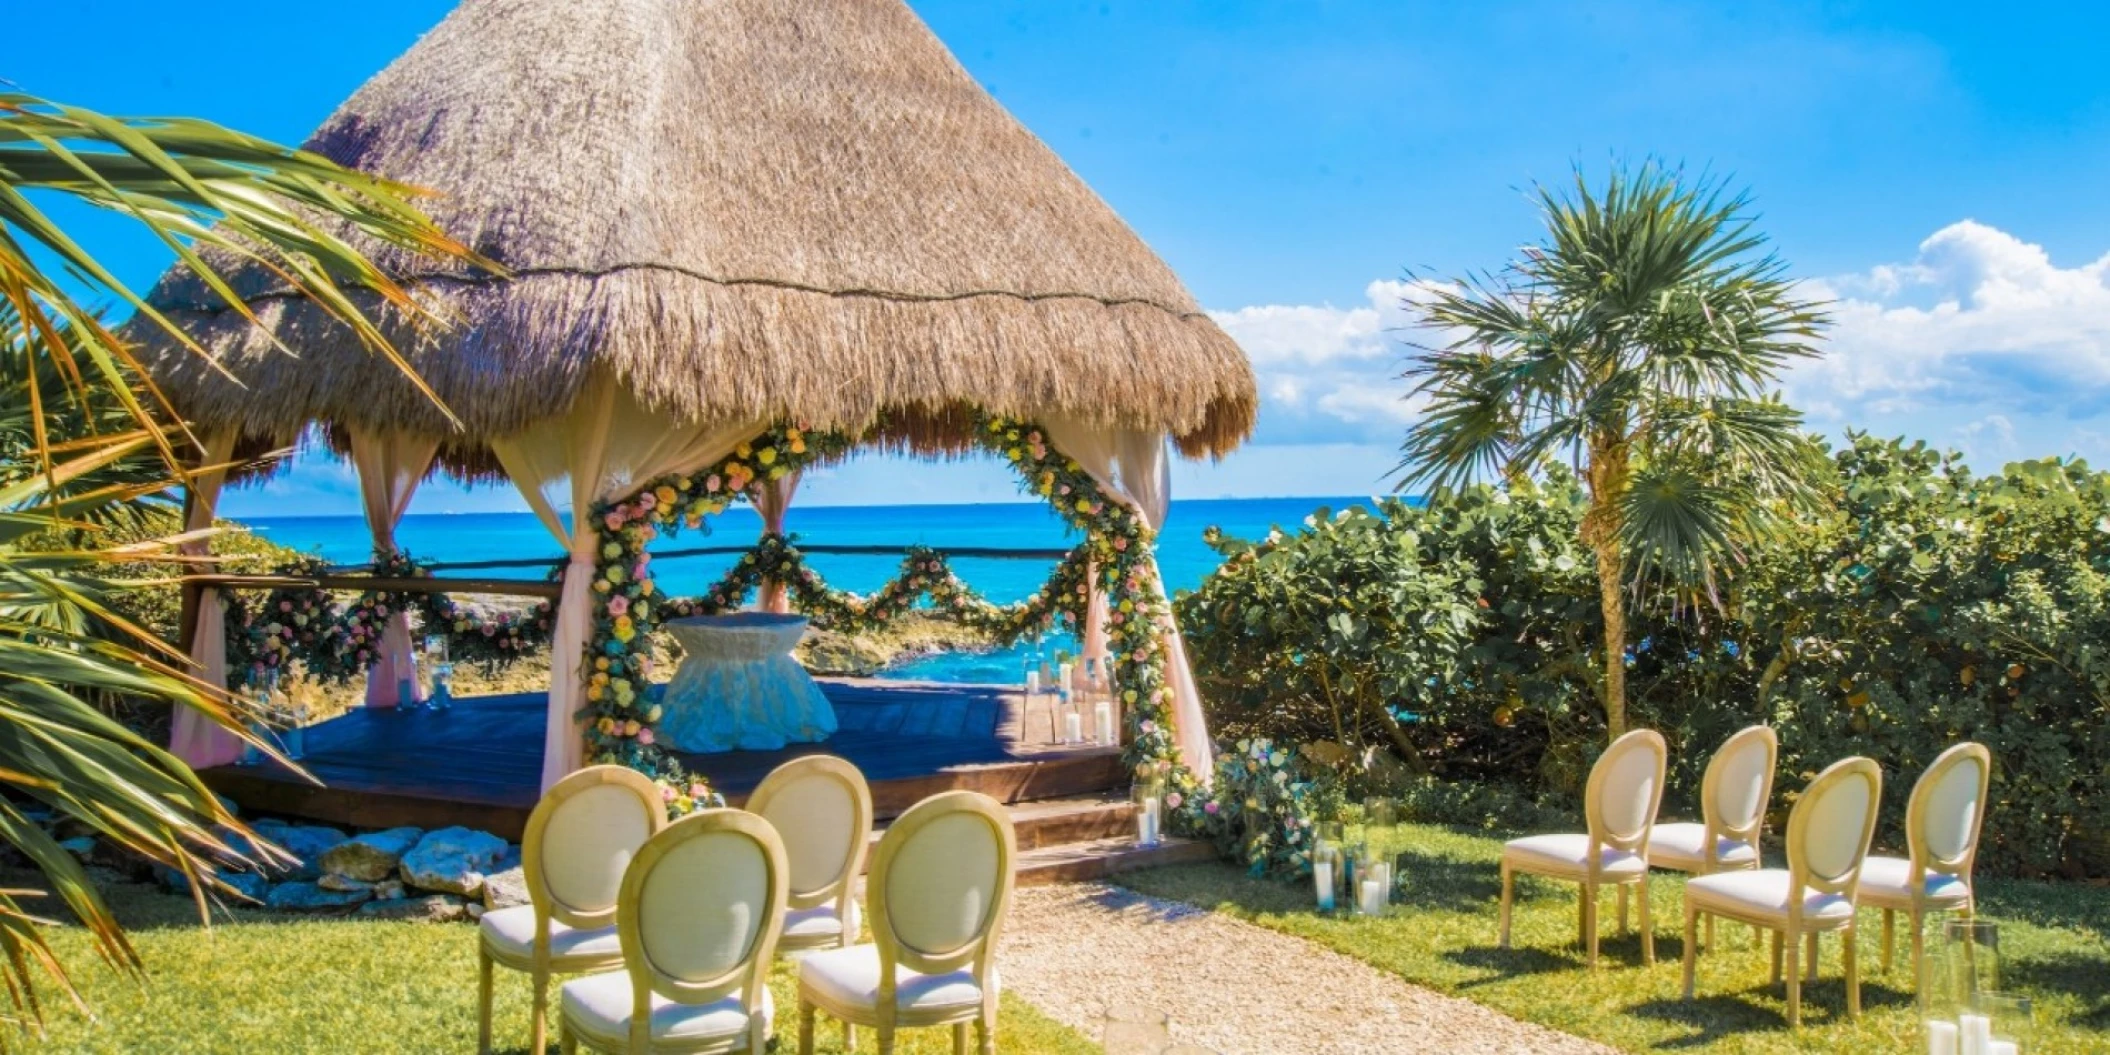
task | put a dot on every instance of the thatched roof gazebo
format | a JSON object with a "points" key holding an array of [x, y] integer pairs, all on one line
{"points": [[714, 216]]}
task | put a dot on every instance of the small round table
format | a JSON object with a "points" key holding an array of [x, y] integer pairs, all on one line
{"points": [[738, 689]]}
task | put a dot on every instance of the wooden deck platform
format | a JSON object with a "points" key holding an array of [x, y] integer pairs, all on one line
{"points": [[479, 763]]}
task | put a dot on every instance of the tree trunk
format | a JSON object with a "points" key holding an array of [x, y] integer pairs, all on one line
{"points": [[1611, 575], [1600, 531]]}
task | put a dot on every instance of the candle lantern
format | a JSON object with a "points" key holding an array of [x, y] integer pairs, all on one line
{"points": [[1965, 1013], [442, 672], [1328, 867], [1370, 883], [1150, 811]]}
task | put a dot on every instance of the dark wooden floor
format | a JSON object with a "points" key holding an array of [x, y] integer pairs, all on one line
{"points": [[480, 762]]}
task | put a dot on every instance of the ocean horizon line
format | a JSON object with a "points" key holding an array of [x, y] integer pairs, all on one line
{"points": [[749, 510]]}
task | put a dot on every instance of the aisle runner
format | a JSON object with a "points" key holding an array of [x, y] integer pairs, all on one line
{"points": [[1231, 986]]}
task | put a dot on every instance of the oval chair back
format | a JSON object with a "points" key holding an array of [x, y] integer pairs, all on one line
{"points": [[1948, 807], [940, 885], [700, 911], [1829, 830], [1736, 790], [581, 838], [1625, 789], [821, 807]]}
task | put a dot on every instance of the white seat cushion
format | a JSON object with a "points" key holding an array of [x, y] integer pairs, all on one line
{"points": [[811, 926], [510, 935], [599, 1006], [1682, 846], [1567, 855], [851, 977], [1887, 882], [1763, 893]]}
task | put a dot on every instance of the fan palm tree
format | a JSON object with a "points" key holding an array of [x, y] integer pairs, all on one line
{"points": [[1641, 340], [90, 442]]}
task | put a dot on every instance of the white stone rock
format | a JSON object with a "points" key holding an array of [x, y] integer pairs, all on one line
{"points": [[452, 860]]}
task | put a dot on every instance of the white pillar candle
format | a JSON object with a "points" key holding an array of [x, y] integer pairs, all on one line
{"points": [[1976, 1034], [1072, 728], [2003, 1047], [1032, 682], [1062, 676], [1322, 878], [1941, 1038], [1147, 823], [1103, 720], [1373, 898]]}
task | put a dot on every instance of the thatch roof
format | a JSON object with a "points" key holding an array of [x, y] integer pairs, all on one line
{"points": [[803, 208]]}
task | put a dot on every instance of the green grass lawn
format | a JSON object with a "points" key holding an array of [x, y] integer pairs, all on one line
{"points": [[267, 983], [2053, 935]]}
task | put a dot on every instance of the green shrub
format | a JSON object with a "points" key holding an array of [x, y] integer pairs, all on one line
{"points": [[1418, 648]]}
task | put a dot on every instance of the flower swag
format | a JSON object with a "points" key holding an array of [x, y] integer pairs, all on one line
{"points": [[1116, 552]]}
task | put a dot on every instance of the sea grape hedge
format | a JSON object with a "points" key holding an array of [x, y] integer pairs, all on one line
{"points": [[1450, 648]]}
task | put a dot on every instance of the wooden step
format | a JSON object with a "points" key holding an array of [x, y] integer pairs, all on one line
{"points": [[1078, 862]]}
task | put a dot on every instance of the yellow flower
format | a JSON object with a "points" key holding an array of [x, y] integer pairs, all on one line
{"points": [[744, 450], [624, 622], [665, 495], [625, 633], [798, 446], [767, 456], [1084, 505], [778, 472], [792, 434], [601, 663], [593, 692], [600, 677], [645, 587], [606, 725]]}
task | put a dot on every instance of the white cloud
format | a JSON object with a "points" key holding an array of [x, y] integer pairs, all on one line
{"points": [[1979, 340], [1979, 317], [1330, 373]]}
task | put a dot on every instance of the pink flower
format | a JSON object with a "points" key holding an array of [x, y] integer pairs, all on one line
{"points": [[711, 483], [1148, 726], [666, 793], [1209, 808], [644, 736], [614, 521], [285, 606], [647, 502], [1173, 801], [1120, 544], [697, 791], [618, 604]]}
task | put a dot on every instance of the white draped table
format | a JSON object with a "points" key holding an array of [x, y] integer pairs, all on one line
{"points": [[738, 689]]}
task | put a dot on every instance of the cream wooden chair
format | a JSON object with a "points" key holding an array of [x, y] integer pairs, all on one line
{"points": [[1827, 842], [1941, 833], [579, 839], [1626, 786], [939, 887], [1733, 799], [822, 809], [700, 912]]}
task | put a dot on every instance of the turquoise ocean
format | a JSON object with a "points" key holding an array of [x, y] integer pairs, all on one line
{"points": [[1183, 558]]}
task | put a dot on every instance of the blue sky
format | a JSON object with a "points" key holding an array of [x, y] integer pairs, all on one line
{"points": [[1937, 167]]}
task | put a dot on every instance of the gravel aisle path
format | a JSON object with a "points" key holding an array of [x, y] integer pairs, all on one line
{"points": [[1231, 986]]}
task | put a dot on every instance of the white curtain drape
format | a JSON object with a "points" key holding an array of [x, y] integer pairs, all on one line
{"points": [[193, 737], [605, 447], [1133, 466], [390, 465], [772, 499]]}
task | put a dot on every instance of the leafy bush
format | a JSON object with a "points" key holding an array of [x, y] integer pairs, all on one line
{"points": [[1417, 647]]}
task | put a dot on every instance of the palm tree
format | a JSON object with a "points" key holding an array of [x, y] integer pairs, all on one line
{"points": [[1641, 340], [89, 444]]}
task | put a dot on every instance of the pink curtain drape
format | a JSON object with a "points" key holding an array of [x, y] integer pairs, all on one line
{"points": [[390, 464], [607, 445], [1132, 465], [193, 737], [772, 498]]}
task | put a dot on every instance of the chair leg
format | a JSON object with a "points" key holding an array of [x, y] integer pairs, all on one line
{"points": [[806, 1013], [1509, 886], [538, 1029], [1919, 947], [1776, 957], [959, 1038], [1794, 976], [1692, 949], [886, 1039], [1648, 929], [1890, 936], [1709, 924], [1852, 967], [849, 1036], [484, 968], [1589, 924], [1622, 908], [1810, 968], [567, 1042], [985, 1035]]}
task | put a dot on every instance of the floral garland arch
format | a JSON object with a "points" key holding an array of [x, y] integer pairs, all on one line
{"points": [[619, 720]]}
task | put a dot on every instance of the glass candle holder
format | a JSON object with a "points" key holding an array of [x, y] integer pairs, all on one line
{"points": [[1328, 868], [1072, 718], [1150, 812], [1370, 884]]}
